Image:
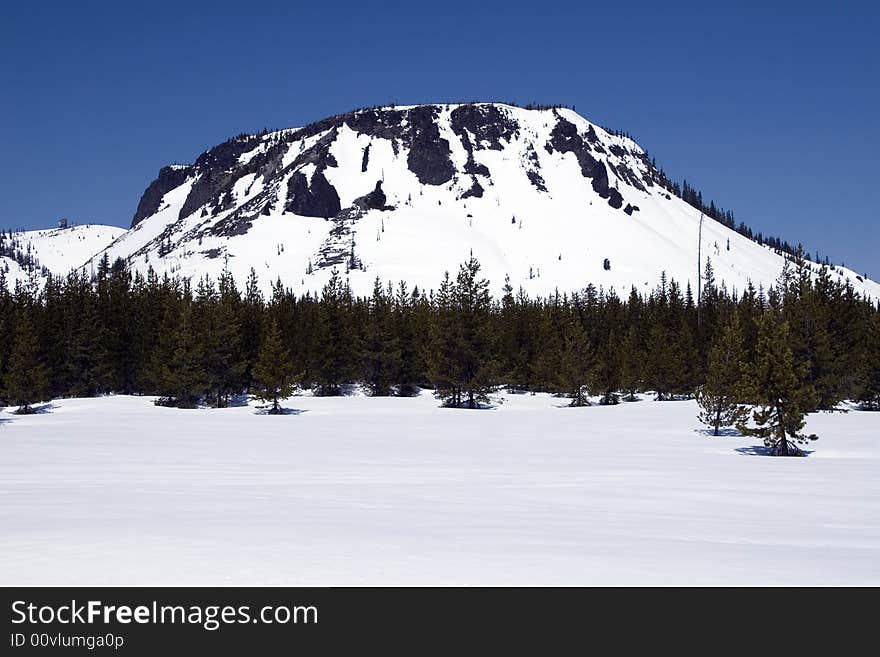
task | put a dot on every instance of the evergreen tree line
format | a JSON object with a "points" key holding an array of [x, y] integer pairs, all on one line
{"points": [[804, 345]]}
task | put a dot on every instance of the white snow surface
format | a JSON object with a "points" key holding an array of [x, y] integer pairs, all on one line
{"points": [[367, 491], [62, 249]]}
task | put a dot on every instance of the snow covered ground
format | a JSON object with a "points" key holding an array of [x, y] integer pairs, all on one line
{"points": [[358, 491], [61, 249]]}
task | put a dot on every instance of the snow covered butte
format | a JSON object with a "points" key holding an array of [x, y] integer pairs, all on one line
{"points": [[405, 193], [529, 493]]}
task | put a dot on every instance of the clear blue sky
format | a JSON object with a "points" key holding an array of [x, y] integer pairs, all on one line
{"points": [[770, 111]]}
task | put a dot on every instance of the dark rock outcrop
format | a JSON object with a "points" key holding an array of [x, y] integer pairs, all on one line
{"points": [[429, 154], [478, 127], [565, 139], [600, 180], [534, 173], [489, 125], [536, 179], [615, 200], [475, 191], [218, 169], [318, 154], [318, 199], [416, 128], [375, 200], [169, 178], [475, 168]]}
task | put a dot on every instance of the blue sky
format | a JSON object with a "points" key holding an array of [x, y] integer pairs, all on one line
{"points": [[770, 111]]}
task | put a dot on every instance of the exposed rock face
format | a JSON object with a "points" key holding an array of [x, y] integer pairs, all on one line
{"points": [[318, 199], [319, 154], [169, 178], [375, 200], [217, 173], [481, 127], [416, 129], [565, 139], [476, 190], [429, 152], [490, 126], [534, 167], [536, 179], [294, 171], [475, 168], [615, 200]]}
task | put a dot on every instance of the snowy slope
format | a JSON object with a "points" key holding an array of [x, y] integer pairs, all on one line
{"points": [[542, 196], [118, 491], [60, 250]]}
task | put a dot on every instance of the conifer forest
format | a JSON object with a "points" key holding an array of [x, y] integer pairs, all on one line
{"points": [[757, 359]]}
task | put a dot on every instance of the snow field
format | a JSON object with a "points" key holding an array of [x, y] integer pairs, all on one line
{"points": [[361, 491]]}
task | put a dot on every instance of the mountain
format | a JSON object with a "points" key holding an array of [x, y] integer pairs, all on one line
{"points": [[405, 193], [57, 250]]}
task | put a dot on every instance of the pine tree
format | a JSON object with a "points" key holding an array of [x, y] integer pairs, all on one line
{"points": [[869, 394], [718, 397], [88, 366], [605, 373], [462, 365], [774, 383], [631, 358], [443, 367], [573, 357], [181, 377], [543, 367], [224, 361], [27, 379], [381, 352], [6, 323], [273, 373], [685, 356], [807, 315], [473, 305], [660, 361], [410, 367], [251, 318], [116, 365], [337, 355], [510, 352]]}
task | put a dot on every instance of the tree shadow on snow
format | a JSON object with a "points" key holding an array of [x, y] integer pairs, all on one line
{"points": [[474, 407], [237, 401], [39, 409], [760, 450], [264, 410], [726, 432]]}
